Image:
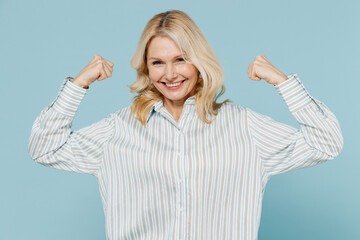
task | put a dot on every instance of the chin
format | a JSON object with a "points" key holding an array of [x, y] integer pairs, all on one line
{"points": [[176, 97]]}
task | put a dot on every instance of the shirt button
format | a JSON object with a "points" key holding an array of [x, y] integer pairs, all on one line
{"points": [[181, 209]]}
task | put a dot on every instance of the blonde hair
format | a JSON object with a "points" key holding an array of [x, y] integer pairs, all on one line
{"points": [[186, 34]]}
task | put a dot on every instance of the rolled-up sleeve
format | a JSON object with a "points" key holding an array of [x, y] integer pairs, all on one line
{"points": [[283, 148], [53, 143]]}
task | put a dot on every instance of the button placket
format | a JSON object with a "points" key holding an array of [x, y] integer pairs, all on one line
{"points": [[180, 158], [182, 183]]}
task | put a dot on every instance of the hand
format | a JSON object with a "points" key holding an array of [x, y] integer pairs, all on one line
{"points": [[261, 68], [98, 68]]}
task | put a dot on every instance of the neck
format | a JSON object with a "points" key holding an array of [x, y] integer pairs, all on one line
{"points": [[175, 108]]}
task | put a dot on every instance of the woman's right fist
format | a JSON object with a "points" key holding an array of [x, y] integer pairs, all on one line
{"points": [[98, 68]]}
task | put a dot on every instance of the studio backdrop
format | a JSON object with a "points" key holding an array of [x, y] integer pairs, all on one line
{"points": [[42, 42]]}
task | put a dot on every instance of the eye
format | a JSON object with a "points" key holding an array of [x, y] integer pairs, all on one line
{"points": [[156, 62], [180, 60]]}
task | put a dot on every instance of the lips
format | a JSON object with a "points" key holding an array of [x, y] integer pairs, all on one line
{"points": [[173, 85]]}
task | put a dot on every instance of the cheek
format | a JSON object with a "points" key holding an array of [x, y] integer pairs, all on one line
{"points": [[191, 72], [155, 74]]}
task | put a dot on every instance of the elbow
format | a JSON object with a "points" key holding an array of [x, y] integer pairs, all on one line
{"points": [[34, 150], [337, 147], [338, 142], [31, 150], [37, 156]]}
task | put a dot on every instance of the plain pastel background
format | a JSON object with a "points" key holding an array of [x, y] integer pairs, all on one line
{"points": [[42, 42]]}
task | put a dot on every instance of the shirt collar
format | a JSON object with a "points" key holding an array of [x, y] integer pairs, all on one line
{"points": [[159, 105]]}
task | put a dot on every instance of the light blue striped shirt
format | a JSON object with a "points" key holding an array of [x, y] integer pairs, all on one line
{"points": [[185, 179]]}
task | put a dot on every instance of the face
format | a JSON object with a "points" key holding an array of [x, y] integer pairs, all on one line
{"points": [[174, 78]]}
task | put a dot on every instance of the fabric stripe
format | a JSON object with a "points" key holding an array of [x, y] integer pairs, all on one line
{"points": [[185, 179], [69, 99]]}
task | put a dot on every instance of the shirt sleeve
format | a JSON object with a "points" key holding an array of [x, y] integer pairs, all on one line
{"points": [[283, 148], [53, 143]]}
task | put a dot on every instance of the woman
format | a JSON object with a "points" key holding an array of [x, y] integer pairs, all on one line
{"points": [[177, 164]]}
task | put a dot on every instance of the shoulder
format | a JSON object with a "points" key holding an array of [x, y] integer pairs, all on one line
{"points": [[240, 113], [231, 109], [230, 113], [125, 117], [122, 114]]}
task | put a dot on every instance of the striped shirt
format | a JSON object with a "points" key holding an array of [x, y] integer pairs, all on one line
{"points": [[185, 179]]}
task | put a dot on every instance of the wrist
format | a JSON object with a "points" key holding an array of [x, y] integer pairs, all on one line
{"points": [[282, 78], [78, 83]]}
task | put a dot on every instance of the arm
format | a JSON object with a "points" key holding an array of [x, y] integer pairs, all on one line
{"points": [[52, 142], [283, 148]]}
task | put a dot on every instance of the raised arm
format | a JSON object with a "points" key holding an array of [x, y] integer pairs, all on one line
{"points": [[52, 141], [283, 148]]}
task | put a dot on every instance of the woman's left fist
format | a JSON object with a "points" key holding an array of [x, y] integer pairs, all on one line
{"points": [[261, 68]]}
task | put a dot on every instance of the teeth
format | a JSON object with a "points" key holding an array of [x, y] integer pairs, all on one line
{"points": [[173, 85]]}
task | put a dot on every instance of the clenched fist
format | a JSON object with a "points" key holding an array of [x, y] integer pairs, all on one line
{"points": [[98, 68], [261, 68]]}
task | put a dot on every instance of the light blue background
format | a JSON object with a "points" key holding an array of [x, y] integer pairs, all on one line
{"points": [[42, 42]]}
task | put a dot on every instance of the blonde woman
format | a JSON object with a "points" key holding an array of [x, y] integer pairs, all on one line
{"points": [[177, 164]]}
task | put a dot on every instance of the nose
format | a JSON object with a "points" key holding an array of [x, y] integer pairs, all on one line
{"points": [[171, 73]]}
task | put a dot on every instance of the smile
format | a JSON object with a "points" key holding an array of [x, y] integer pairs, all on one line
{"points": [[173, 85]]}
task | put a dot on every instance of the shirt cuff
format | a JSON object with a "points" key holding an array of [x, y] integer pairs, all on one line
{"points": [[294, 93], [69, 98]]}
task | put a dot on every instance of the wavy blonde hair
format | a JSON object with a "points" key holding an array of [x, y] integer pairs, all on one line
{"points": [[187, 35]]}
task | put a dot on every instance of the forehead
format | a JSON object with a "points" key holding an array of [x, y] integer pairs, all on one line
{"points": [[163, 47]]}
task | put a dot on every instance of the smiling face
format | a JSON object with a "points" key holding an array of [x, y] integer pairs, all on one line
{"points": [[174, 78]]}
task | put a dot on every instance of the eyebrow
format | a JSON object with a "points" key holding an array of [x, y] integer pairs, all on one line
{"points": [[177, 56]]}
